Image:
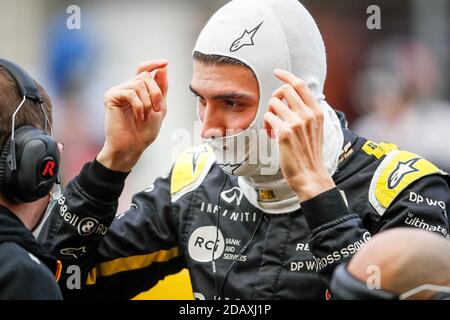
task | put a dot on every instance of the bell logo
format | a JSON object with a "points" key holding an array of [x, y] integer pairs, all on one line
{"points": [[202, 242], [49, 166], [234, 194]]}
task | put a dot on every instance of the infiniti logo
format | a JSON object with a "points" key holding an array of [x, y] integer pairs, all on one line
{"points": [[233, 194]]}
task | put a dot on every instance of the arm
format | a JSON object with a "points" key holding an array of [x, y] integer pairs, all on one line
{"points": [[119, 256], [338, 233], [82, 216]]}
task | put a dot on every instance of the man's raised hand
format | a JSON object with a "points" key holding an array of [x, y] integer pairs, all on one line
{"points": [[134, 112]]}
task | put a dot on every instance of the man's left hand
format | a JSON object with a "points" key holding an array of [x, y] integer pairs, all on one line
{"points": [[298, 125]]}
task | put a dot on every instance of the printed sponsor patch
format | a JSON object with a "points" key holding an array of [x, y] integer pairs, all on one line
{"points": [[189, 167], [396, 172]]}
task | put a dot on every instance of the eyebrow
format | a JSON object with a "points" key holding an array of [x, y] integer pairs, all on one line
{"points": [[223, 96]]}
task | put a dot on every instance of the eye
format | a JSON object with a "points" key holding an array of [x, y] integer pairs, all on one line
{"points": [[230, 103], [200, 100]]}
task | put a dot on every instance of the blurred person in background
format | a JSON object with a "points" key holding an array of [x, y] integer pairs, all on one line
{"points": [[271, 229], [396, 264], [397, 100]]}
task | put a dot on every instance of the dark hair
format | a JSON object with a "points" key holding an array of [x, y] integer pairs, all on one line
{"points": [[217, 59], [211, 59], [30, 113]]}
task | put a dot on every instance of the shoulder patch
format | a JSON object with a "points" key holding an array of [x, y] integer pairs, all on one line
{"points": [[378, 150], [190, 169], [397, 171]]}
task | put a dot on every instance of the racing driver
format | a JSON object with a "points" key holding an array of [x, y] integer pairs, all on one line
{"points": [[277, 196]]}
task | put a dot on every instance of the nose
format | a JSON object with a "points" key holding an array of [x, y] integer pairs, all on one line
{"points": [[213, 123]]}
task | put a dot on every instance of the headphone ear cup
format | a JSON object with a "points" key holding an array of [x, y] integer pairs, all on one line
{"points": [[37, 159], [3, 163]]}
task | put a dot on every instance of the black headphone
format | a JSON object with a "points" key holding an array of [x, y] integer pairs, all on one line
{"points": [[29, 158]]}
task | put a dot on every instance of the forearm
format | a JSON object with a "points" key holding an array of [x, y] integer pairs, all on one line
{"points": [[337, 233], [81, 217], [308, 188], [118, 160]]}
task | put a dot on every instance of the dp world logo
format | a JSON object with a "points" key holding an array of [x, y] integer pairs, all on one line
{"points": [[232, 195], [201, 244]]}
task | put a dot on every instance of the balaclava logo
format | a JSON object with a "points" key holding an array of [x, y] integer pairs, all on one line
{"points": [[246, 39], [230, 167]]}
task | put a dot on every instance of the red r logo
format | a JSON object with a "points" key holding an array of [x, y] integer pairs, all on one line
{"points": [[48, 169]]}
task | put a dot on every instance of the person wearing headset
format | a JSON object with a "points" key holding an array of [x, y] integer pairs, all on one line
{"points": [[280, 193], [397, 264], [29, 163]]}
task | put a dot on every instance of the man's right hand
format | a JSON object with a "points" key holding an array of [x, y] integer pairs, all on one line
{"points": [[134, 112]]}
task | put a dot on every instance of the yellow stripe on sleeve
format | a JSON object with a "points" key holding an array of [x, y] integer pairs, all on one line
{"points": [[112, 267]]}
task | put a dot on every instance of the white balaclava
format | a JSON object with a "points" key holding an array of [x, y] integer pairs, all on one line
{"points": [[265, 35]]}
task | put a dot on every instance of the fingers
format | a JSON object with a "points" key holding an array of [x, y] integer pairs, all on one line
{"points": [[298, 85], [145, 91], [299, 97], [157, 87], [301, 114], [131, 97], [151, 65], [140, 87], [272, 123], [156, 71], [153, 90], [155, 94], [287, 92], [161, 80], [280, 111], [277, 107]]}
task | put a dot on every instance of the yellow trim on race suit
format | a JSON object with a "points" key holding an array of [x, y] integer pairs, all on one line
{"points": [[378, 150], [173, 287], [109, 268], [189, 166], [397, 171]]}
